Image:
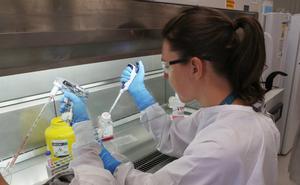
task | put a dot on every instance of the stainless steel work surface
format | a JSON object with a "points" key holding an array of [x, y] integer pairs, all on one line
{"points": [[132, 140]]}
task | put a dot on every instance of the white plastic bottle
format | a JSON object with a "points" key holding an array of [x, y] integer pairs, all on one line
{"points": [[105, 127], [177, 107]]}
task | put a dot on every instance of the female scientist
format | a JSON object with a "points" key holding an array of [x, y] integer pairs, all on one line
{"points": [[218, 62]]}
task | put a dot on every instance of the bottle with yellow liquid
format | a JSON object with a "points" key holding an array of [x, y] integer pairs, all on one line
{"points": [[59, 139]]}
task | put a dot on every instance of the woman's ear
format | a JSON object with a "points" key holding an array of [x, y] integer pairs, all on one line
{"points": [[198, 67]]}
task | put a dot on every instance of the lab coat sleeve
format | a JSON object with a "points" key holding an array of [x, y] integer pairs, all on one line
{"points": [[172, 136], [205, 163], [86, 148], [87, 165]]}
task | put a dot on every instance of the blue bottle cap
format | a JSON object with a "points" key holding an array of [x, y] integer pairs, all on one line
{"points": [[47, 153]]}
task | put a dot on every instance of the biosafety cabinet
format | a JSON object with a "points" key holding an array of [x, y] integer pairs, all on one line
{"points": [[88, 42]]}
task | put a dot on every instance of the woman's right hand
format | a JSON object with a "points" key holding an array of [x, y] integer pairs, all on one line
{"points": [[137, 89]]}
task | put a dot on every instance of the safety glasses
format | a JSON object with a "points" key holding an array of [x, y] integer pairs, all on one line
{"points": [[166, 65]]}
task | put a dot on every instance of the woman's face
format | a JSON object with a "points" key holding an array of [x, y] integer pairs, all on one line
{"points": [[179, 75]]}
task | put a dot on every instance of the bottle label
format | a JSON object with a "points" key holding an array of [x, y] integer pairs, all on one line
{"points": [[108, 131], [99, 134], [60, 148]]}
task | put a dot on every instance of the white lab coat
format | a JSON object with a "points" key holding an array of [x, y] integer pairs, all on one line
{"points": [[220, 145], [87, 165]]}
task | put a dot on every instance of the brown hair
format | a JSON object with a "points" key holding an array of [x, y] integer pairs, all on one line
{"points": [[236, 49]]}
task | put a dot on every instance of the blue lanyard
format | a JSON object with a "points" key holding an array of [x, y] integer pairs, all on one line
{"points": [[229, 99]]}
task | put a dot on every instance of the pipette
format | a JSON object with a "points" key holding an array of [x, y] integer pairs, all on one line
{"points": [[125, 86], [63, 84], [59, 84], [28, 134]]}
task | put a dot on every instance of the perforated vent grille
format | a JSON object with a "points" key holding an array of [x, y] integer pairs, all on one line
{"points": [[152, 160]]}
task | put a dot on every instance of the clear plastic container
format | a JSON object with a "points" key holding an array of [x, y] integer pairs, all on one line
{"points": [[105, 127], [177, 107]]}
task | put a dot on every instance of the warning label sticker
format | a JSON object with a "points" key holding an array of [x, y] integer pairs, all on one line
{"points": [[60, 148], [230, 4]]}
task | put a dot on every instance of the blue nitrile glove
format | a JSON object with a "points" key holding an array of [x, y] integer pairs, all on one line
{"points": [[109, 162], [137, 89], [79, 109]]}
